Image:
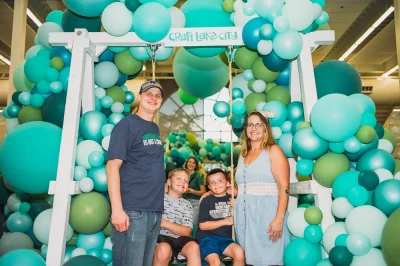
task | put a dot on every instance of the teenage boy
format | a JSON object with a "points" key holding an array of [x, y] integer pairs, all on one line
{"points": [[215, 223], [176, 224]]}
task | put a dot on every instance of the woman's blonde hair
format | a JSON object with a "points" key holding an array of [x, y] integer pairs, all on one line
{"points": [[267, 140]]}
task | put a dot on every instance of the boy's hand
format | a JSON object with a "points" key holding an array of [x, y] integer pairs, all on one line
{"points": [[164, 223], [232, 201], [204, 196], [229, 220]]}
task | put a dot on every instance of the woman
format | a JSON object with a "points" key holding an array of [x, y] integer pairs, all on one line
{"points": [[196, 186], [262, 176]]}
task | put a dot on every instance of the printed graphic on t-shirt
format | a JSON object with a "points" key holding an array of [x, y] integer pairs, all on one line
{"points": [[222, 210], [178, 211], [151, 139]]}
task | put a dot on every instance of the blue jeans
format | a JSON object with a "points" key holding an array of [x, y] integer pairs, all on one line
{"points": [[135, 247]]}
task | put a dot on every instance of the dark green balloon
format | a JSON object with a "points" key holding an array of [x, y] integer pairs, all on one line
{"points": [[37, 206], [132, 5], [53, 109], [72, 21], [306, 199], [368, 179], [84, 260], [15, 99], [28, 114], [380, 131], [340, 256], [274, 62], [4, 192], [390, 241]]}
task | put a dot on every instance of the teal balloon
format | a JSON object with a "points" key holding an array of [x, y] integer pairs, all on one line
{"points": [[35, 68], [267, 32], [368, 179], [88, 8], [344, 182], [33, 51], [239, 108], [129, 97], [19, 222], [72, 21], [340, 256], [337, 147], [221, 109], [139, 53], [55, 16], [364, 103], [91, 124], [21, 83], [285, 142], [237, 121], [380, 131], [85, 260], [53, 109], [364, 148], [319, 2], [51, 74], [305, 167], [20, 257], [99, 177], [95, 241], [251, 32], [352, 145], [162, 53], [166, 3], [205, 13], [274, 63], [64, 77], [335, 118], [279, 110], [336, 77], [44, 52], [13, 110], [387, 196], [37, 100], [376, 159], [288, 45], [106, 255], [313, 233], [357, 196], [341, 240], [152, 22], [300, 252], [115, 118], [132, 5], [308, 145], [96, 159], [190, 72], [36, 145], [237, 93]]}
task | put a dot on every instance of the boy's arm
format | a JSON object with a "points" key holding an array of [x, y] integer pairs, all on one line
{"points": [[211, 225], [177, 229]]}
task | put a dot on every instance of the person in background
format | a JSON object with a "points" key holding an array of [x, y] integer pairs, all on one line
{"points": [[196, 186]]}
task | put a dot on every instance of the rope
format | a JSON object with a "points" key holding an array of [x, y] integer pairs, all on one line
{"points": [[153, 48], [230, 59]]}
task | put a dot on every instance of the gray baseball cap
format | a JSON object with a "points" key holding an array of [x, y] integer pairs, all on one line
{"points": [[151, 84]]}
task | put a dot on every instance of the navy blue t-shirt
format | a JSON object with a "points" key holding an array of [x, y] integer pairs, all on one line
{"points": [[214, 209], [137, 142]]}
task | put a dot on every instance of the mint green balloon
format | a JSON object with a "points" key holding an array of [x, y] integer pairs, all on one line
{"points": [[91, 124], [36, 145], [19, 222], [21, 83]]}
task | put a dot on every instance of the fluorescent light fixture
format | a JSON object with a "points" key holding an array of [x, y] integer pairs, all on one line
{"points": [[390, 71], [144, 68], [33, 17], [367, 33], [5, 60]]}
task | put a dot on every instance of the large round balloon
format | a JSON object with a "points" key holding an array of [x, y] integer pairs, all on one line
{"points": [[186, 98], [24, 257], [85, 260], [53, 109], [35, 146], [191, 71], [35, 68], [376, 159], [72, 21], [337, 77], [205, 13], [117, 25], [390, 243], [387, 196], [21, 83], [88, 8], [328, 167], [335, 118], [308, 145], [91, 124], [302, 252]]}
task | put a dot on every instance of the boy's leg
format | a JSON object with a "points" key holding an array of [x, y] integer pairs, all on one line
{"points": [[163, 254], [213, 260], [209, 251], [190, 250], [153, 223], [236, 253]]}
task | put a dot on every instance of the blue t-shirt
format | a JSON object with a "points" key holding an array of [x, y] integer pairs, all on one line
{"points": [[214, 209], [137, 142]]}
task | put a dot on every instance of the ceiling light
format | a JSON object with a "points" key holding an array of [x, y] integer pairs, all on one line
{"points": [[367, 33], [390, 71], [5, 60], [33, 17], [144, 68]]}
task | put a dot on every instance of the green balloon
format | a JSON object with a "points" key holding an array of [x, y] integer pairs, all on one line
{"points": [[270, 86], [116, 93], [57, 63], [263, 73], [54, 107], [227, 5], [107, 230], [328, 167], [279, 94], [126, 64], [90, 213], [304, 125], [390, 241], [397, 162], [250, 84], [388, 135], [313, 215], [28, 114], [253, 99], [340, 256], [366, 134], [21, 83], [73, 239], [186, 98], [244, 57]]}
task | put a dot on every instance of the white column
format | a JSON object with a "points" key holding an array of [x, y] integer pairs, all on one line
{"points": [[17, 41], [64, 187], [397, 29], [295, 90], [88, 91]]}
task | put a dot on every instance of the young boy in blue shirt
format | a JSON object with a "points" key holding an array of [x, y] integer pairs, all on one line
{"points": [[215, 223]]}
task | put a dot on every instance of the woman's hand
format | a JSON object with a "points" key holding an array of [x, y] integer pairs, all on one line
{"points": [[275, 229], [189, 190], [205, 195]]}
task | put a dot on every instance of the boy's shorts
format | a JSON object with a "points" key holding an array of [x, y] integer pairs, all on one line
{"points": [[213, 244], [176, 245]]}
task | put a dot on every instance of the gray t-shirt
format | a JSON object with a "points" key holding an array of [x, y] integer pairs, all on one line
{"points": [[177, 211], [137, 142]]}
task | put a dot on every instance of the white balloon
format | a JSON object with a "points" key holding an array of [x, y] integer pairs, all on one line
{"points": [[108, 244], [383, 174], [86, 184], [241, 83], [296, 222], [78, 252], [259, 86], [373, 258], [341, 207], [397, 176], [300, 14], [385, 145], [117, 19], [84, 149], [240, 19], [178, 19], [105, 142], [260, 106], [317, 9], [331, 233], [276, 132], [99, 92], [264, 47]]}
